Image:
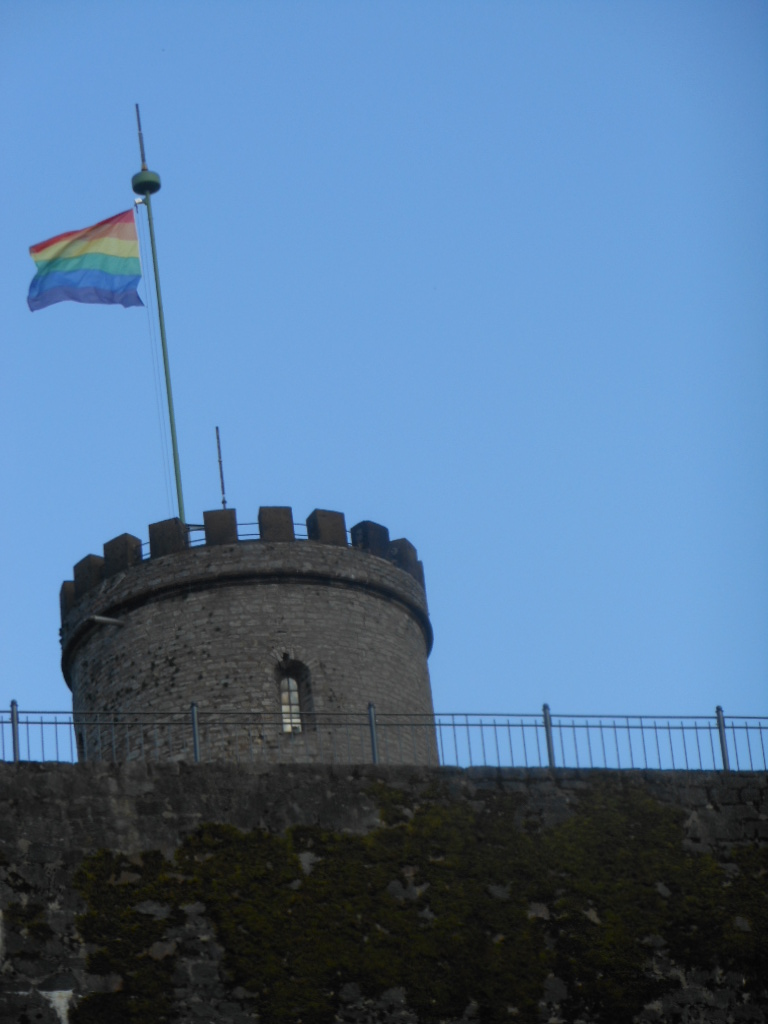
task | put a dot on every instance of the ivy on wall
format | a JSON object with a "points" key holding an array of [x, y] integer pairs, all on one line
{"points": [[459, 902]]}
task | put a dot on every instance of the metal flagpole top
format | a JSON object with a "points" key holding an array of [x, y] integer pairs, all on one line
{"points": [[145, 184]]}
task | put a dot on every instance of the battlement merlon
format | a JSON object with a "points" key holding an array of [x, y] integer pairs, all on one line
{"points": [[171, 537]]}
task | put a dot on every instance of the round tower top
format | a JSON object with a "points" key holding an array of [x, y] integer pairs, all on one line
{"points": [[181, 557]]}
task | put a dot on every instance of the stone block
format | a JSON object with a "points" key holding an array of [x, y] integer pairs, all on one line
{"points": [[276, 523], [404, 555], [121, 553], [696, 796], [371, 537], [167, 537], [220, 526], [66, 597], [327, 527], [727, 792], [89, 572]]}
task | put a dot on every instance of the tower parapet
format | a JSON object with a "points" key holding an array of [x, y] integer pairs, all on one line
{"points": [[290, 632]]}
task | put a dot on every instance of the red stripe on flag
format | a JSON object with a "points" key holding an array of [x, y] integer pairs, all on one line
{"points": [[104, 227]]}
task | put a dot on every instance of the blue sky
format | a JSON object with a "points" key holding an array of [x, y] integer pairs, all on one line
{"points": [[492, 274]]}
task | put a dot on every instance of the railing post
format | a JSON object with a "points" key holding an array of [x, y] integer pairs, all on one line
{"points": [[374, 740], [15, 731], [723, 739], [548, 734], [195, 733]]}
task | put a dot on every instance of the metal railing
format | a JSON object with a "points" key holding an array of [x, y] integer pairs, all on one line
{"points": [[245, 531], [693, 743]]}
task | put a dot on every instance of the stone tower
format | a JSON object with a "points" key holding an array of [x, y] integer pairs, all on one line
{"points": [[275, 647]]}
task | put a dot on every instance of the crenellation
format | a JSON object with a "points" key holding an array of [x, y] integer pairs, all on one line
{"points": [[220, 526], [327, 527], [371, 537], [167, 538], [66, 598], [171, 536], [404, 555], [276, 523], [89, 572], [121, 553]]}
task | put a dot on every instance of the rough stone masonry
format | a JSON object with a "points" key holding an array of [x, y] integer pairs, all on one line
{"points": [[229, 894], [225, 623]]}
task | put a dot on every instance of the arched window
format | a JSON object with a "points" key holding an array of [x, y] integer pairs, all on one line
{"points": [[290, 707], [296, 706]]}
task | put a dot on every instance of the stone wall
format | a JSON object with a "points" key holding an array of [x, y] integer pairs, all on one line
{"points": [[217, 893]]}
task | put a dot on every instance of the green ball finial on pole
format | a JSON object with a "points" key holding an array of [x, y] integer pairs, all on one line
{"points": [[145, 183]]}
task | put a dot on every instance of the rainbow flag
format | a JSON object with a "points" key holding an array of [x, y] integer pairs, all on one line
{"points": [[98, 264]]}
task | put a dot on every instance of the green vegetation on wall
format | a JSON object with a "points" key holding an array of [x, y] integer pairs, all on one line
{"points": [[457, 901]]}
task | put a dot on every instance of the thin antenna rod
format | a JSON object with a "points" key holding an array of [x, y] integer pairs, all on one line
{"points": [[145, 183], [221, 470], [141, 139]]}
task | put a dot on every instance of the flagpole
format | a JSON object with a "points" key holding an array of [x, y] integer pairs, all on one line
{"points": [[145, 184]]}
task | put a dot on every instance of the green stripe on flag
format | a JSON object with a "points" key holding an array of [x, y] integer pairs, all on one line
{"points": [[120, 265]]}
